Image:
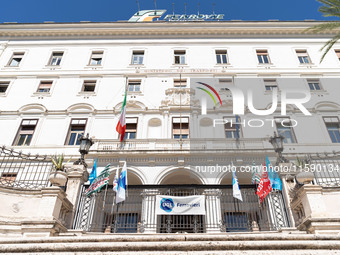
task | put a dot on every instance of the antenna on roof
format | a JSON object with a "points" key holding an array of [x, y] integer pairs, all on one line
{"points": [[155, 4], [185, 8], [198, 8], [173, 8], [214, 8], [138, 7]]}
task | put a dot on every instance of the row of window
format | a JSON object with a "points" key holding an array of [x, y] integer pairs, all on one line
{"points": [[135, 85], [179, 57], [180, 129]]}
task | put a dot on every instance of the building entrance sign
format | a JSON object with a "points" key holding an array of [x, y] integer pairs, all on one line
{"points": [[172, 205]]}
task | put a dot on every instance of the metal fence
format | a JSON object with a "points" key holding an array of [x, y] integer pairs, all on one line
{"points": [[98, 213], [326, 169], [23, 171]]}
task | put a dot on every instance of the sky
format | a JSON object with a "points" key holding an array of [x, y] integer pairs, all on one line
{"points": [[36, 11]]}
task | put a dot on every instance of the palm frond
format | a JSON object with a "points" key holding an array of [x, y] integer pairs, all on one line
{"points": [[327, 47], [331, 8], [324, 27]]}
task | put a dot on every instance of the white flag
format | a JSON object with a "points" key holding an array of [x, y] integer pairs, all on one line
{"points": [[236, 189], [115, 181], [122, 183]]}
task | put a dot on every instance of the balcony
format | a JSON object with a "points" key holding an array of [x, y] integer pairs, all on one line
{"points": [[169, 145]]}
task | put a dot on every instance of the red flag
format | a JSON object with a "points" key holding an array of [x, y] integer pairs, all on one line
{"points": [[121, 126], [265, 186]]}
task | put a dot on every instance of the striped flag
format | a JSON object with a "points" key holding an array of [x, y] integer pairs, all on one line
{"points": [[256, 175], [121, 126], [101, 181], [122, 183]]}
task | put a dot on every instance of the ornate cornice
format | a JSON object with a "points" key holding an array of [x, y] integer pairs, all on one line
{"points": [[161, 29]]}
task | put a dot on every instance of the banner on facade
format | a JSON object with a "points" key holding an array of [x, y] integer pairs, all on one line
{"points": [[171, 205]]}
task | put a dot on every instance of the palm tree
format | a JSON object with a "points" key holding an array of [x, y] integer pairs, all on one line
{"points": [[330, 8]]}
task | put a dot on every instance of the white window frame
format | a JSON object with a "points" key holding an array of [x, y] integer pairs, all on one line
{"points": [[134, 83], [291, 129], [2, 84], [313, 88], [303, 53], [332, 120], [179, 54], [18, 53], [75, 122], [20, 132], [96, 54], [41, 83], [50, 62], [260, 53], [182, 131], [137, 57], [221, 53], [92, 83], [129, 131], [270, 83]]}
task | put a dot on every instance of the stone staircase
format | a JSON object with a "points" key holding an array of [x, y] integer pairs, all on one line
{"points": [[259, 243]]}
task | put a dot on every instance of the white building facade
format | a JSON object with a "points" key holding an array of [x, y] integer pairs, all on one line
{"points": [[61, 81]]}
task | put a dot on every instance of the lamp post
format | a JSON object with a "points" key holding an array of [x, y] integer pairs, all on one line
{"points": [[277, 142], [85, 144]]}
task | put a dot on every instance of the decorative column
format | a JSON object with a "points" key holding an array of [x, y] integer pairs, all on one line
{"points": [[149, 217], [213, 220]]}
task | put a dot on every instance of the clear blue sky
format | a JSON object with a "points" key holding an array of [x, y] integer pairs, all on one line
{"points": [[28, 11]]}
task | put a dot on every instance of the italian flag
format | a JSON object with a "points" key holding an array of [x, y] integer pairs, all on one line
{"points": [[122, 123]]}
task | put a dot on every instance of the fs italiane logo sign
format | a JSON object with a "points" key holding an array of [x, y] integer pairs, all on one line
{"points": [[287, 96], [167, 204]]}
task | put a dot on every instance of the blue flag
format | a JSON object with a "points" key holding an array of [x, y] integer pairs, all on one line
{"points": [[273, 176], [93, 174]]}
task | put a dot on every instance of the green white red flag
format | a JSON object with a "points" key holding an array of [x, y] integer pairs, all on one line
{"points": [[265, 186], [101, 181], [121, 126]]}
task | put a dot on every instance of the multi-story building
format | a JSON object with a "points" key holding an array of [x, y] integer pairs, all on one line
{"points": [[61, 81]]}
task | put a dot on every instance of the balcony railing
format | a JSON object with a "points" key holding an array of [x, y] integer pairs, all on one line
{"points": [[185, 144]]}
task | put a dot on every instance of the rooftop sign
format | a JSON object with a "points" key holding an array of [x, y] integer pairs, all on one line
{"points": [[146, 15], [151, 15], [193, 17]]}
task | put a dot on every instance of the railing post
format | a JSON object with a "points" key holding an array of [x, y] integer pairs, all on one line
{"points": [[149, 217], [213, 218]]}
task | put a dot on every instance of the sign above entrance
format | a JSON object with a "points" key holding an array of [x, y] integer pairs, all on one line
{"points": [[171, 205]]}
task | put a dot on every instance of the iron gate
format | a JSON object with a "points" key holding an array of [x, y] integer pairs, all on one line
{"points": [[136, 214]]}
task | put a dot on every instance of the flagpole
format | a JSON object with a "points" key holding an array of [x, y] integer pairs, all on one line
{"points": [[113, 197], [105, 196]]}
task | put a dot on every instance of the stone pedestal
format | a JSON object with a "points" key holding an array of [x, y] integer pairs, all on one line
{"points": [[42, 212], [77, 176], [313, 210]]}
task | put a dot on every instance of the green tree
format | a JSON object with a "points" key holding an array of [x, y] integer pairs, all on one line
{"points": [[330, 8]]}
